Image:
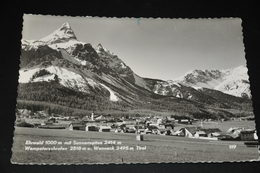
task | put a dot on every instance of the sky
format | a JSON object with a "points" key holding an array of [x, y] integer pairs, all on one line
{"points": [[155, 48]]}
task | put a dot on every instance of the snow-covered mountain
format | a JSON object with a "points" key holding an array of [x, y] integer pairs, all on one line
{"points": [[64, 38], [231, 81], [94, 71], [76, 65]]}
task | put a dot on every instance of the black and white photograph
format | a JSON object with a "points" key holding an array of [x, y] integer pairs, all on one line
{"points": [[98, 90]]}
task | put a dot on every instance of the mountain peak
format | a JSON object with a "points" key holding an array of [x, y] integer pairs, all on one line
{"points": [[63, 34], [65, 25], [99, 46]]}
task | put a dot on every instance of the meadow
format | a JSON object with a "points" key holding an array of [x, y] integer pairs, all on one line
{"points": [[156, 149], [225, 125]]}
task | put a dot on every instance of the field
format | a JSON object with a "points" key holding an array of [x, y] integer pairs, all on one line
{"points": [[154, 148], [225, 125]]}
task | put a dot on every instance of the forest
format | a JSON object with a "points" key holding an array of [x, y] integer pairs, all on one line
{"points": [[55, 98]]}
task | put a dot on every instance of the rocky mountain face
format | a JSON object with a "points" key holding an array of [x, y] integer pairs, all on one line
{"points": [[232, 81], [69, 65]]}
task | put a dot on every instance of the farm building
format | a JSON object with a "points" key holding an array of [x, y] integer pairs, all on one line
{"points": [[184, 121], [129, 121], [212, 132], [215, 135], [178, 133], [119, 122], [140, 128], [190, 131], [50, 121], [129, 129], [104, 128], [198, 134], [118, 130], [90, 127], [170, 119], [233, 129], [161, 130], [248, 135], [24, 124], [77, 126]]}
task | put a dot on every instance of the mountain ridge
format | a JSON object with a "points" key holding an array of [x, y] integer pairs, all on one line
{"points": [[61, 58], [233, 81]]}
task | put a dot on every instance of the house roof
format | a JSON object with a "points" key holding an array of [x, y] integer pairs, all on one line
{"points": [[152, 127], [104, 127], [247, 131], [95, 116], [234, 128], [24, 124], [193, 130], [211, 130], [77, 124], [200, 132]]}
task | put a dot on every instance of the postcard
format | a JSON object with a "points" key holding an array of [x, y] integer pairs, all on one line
{"points": [[133, 90]]}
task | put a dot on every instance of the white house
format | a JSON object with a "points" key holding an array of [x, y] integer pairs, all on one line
{"points": [[200, 134], [104, 128]]}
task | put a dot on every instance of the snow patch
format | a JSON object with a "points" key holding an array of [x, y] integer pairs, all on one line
{"points": [[197, 87], [170, 82], [67, 77], [91, 82], [44, 78], [113, 97], [65, 45], [82, 62], [123, 65], [25, 75]]}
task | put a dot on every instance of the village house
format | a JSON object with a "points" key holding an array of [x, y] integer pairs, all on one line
{"points": [[129, 128], [248, 135], [129, 121], [212, 132], [49, 122], [119, 122], [161, 130], [198, 134], [140, 128], [119, 130], [24, 124], [169, 119], [104, 128], [91, 127], [235, 132], [77, 126], [185, 121], [189, 131]]}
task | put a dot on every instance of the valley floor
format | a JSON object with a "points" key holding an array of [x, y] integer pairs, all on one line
{"points": [[97, 148]]}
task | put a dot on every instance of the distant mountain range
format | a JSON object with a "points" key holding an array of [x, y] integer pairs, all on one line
{"points": [[59, 69], [232, 81]]}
